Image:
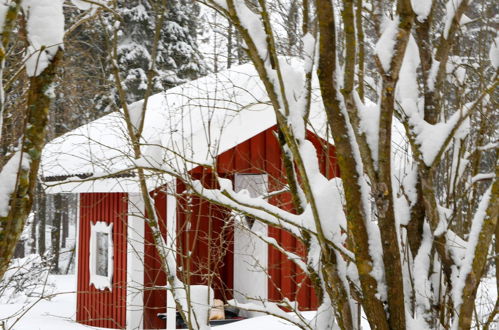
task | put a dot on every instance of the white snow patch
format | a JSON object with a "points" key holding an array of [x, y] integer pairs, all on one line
{"points": [[386, 43], [135, 110], [465, 20], [457, 247], [489, 146], [309, 46], [4, 7], [82, 5], [200, 299], [483, 176], [432, 77], [422, 285], [294, 83], [494, 53], [251, 22], [465, 269], [45, 28], [431, 138], [402, 210], [421, 8], [222, 3], [57, 311], [8, 179], [451, 8], [369, 124], [407, 90]]}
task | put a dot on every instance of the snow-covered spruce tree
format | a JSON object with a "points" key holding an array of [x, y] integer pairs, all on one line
{"points": [[178, 59], [416, 238]]}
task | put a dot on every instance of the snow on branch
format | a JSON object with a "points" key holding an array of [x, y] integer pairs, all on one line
{"points": [[488, 146], [467, 263], [431, 138], [451, 10], [221, 3], [90, 4], [271, 308], [369, 124], [45, 29], [4, 8], [386, 43], [290, 255], [422, 263], [8, 179], [483, 176], [422, 8], [257, 207], [494, 53]]}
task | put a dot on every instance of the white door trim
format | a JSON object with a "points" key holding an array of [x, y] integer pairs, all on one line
{"points": [[135, 262], [171, 243]]}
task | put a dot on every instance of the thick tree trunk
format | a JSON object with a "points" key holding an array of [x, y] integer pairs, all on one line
{"points": [[21, 200], [353, 195]]}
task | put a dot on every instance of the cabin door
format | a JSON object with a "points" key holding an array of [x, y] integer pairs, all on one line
{"points": [[250, 252]]}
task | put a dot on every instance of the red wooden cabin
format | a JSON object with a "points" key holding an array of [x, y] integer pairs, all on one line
{"points": [[118, 268]]}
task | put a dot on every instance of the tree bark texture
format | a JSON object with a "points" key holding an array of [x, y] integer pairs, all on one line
{"points": [[11, 226]]}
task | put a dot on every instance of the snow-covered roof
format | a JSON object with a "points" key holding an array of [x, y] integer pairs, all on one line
{"points": [[196, 121]]}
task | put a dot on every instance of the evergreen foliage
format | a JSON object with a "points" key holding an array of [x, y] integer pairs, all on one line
{"points": [[178, 59]]}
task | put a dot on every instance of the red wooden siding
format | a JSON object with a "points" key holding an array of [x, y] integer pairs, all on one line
{"points": [[205, 242], [204, 234], [102, 308], [154, 300], [202, 224]]}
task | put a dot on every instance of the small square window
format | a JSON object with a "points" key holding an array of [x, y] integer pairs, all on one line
{"points": [[255, 185], [101, 255]]}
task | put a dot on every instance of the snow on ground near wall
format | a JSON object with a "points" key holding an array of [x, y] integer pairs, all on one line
{"points": [[59, 312], [56, 314]]}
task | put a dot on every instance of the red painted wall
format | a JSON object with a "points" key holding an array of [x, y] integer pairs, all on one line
{"points": [[202, 224], [203, 230], [205, 243], [102, 308]]}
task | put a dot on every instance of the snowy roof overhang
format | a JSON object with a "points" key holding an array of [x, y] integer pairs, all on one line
{"points": [[195, 121], [185, 126]]}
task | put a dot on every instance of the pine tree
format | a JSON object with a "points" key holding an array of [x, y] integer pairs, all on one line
{"points": [[178, 59]]}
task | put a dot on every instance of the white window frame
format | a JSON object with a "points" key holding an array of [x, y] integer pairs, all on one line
{"points": [[101, 282]]}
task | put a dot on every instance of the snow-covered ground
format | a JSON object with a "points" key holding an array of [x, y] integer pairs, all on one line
{"points": [[58, 313]]}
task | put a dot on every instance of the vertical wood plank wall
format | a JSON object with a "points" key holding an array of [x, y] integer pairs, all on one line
{"points": [[205, 241], [203, 230], [102, 308], [199, 221]]}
